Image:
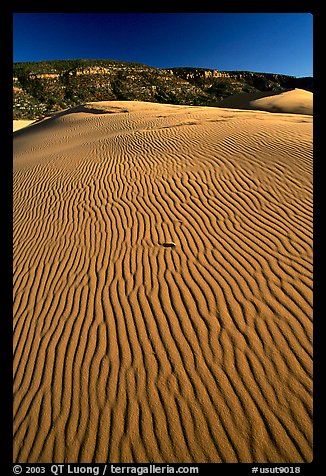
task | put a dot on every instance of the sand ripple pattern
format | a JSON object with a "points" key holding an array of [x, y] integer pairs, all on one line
{"points": [[126, 350]]}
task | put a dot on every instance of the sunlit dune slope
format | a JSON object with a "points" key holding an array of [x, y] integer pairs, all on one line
{"points": [[163, 286], [296, 101]]}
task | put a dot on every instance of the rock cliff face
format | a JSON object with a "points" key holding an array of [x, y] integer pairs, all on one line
{"points": [[197, 73], [45, 87]]}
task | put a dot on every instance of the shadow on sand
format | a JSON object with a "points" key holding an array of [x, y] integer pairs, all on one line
{"points": [[47, 121], [243, 100]]}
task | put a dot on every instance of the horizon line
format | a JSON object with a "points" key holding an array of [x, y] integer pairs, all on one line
{"points": [[166, 67]]}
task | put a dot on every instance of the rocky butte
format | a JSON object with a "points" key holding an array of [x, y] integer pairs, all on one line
{"points": [[42, 88]]}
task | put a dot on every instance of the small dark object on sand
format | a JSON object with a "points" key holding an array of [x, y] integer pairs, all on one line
{"points": [[169, 244]]}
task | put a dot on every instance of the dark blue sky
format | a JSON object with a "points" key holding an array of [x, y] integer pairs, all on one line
{"points": [[265, 42]]}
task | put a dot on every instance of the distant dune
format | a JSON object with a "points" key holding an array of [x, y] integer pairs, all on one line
{"points": [[297, 101], [163, 285]]}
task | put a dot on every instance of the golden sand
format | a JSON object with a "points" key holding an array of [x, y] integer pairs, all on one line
{"points": [[296, 101], [19, 124], [163, 286]]}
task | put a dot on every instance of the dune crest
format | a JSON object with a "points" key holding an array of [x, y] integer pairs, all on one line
{"points": [[296, 101], [163, 286]]}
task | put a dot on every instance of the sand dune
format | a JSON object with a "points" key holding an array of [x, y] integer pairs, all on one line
{"points": [[163, 286], [296, 101], [19, 124]]}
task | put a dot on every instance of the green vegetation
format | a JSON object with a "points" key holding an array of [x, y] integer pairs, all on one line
{"points": [[61, 66], [47, 86]]}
